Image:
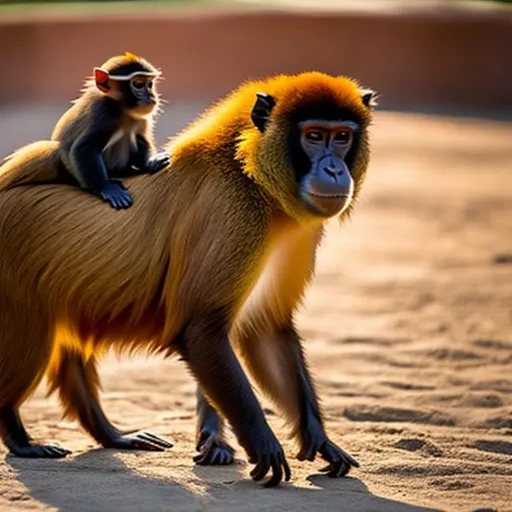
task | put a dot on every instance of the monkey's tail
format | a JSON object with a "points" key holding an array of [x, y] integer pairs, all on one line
{"points": [[37, 162]]}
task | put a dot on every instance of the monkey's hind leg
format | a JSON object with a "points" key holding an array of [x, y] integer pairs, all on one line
{"points": [[25, 348], [211, 445], [78, 384]]}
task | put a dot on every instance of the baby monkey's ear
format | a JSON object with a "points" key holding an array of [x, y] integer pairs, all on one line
{"points": [[102, 78]]}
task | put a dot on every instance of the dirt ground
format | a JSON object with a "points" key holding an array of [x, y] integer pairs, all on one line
{"points": [[409, 333]]}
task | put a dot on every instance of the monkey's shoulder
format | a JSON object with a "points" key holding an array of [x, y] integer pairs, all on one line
{"points": [[90, 113]]}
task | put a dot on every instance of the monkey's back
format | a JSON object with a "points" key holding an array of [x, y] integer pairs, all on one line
{"points": [[83, 259], [91, 108], [84, 266]]}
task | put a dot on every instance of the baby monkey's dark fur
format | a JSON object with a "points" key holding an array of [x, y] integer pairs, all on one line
{"points": [[106, 134]]}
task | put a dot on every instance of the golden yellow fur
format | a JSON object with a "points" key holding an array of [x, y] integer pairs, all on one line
{"points": [[37, 162], [222, 230], [254, 148]]}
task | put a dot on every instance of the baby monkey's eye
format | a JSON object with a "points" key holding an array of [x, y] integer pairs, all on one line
{"points": [[150, 85], [314, 136], [342, 137], [138, 84]]}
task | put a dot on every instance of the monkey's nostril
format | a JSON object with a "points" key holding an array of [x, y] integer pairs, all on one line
{"points": [[334, 170], [331, 171]]}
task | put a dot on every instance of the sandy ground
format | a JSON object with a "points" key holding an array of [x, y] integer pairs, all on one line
{"points": [[409, 333]]}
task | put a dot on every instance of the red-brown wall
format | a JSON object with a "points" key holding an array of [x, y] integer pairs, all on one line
{"points": [[449, 58]]}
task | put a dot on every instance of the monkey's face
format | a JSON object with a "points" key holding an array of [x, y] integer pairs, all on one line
{"points": [[134, 90], [326, 186], [142, 97], [312, 151]]}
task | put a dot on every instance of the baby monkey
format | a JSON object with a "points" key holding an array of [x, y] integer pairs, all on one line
{"points": [[108, 132]]}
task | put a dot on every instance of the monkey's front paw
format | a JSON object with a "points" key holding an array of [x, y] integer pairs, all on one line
{"points": [[116, 195], [340, 462], [158, 162], [267, 453], [213, 451], [312, 439], [139, 441]]}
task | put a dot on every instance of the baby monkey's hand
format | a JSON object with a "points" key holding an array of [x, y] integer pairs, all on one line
{"points": [[158, 162], [116, 195]]}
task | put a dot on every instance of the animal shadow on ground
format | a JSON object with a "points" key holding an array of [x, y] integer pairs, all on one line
{"points": [[100, 480]]}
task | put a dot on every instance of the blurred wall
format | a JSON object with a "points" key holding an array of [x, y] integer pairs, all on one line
{"points": [[415, 58]]}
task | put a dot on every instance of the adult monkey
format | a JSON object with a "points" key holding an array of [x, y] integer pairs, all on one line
{"points": [[233, 229]]}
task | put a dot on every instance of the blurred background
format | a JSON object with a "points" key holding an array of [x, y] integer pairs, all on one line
{"points": [[443, 56], [408, 324]]}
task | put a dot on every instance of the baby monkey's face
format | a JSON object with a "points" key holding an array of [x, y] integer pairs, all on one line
{"points": [[144, 95]]}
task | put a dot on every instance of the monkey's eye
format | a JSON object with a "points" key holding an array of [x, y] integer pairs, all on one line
{"points": [[314, 136], [138, 85], [342, 137], [150, 85]]}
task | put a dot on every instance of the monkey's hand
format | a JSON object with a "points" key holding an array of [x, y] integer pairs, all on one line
{"points": [[315, 441], [158, 162], [116, 195], [213, 450], [266, 452], [340, 462]]}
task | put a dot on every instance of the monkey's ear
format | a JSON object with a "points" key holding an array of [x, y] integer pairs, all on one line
{"points": [[261, 111], [101, 77], [369, 98]]}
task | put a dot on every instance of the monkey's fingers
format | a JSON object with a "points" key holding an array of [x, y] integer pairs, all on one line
{"points": [[110, 200], [115, 193], [278, 464], [122, 200], [163, 155], [225, 458], [308, 452], [340, 462], [261, 468], [136, 443], [47, 451], [214, 452], [55, 451], [115, 203], [287, 472], [159, 162], [276, 461], [157, 440], [140, 441], [348, 458], [216, 456], [125, 199], [277, 473], [336, 470]]}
